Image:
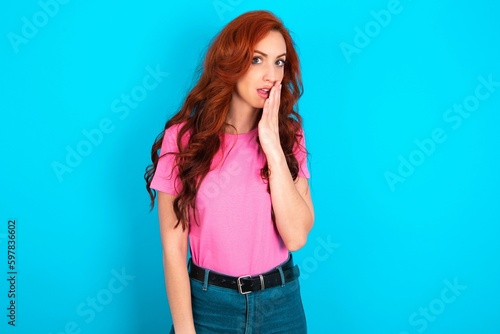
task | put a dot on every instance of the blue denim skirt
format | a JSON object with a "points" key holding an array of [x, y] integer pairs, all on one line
{"points": [[276, 310]]}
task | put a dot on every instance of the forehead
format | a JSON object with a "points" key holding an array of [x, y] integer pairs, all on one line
{"points": [[272, 44]]}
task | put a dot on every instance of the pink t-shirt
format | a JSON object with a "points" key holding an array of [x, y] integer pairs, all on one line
{"points": [[236, 235]]}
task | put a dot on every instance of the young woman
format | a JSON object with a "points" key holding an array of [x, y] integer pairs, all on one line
{"points": [[232, 183]]}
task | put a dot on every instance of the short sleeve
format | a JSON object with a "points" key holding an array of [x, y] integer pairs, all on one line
{"points": [[165, 177], [301, 155]]}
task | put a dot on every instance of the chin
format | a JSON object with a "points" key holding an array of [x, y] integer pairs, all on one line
{"points": [[258, 105]]}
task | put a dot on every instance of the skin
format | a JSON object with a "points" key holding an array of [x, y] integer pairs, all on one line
{"points": [[266, 71], [291, 200]]}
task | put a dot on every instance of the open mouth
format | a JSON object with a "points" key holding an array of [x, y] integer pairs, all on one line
{"points": [[264, 93]]}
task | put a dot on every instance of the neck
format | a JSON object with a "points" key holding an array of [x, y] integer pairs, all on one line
{"points": [[242, 116]]}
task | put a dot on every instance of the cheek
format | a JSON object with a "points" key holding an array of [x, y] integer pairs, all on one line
{"points": [[281, 74], [252, 76], [242, 90], [243, 83]]}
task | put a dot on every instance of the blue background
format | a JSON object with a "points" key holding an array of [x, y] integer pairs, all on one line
{"points": [[381, 257]]}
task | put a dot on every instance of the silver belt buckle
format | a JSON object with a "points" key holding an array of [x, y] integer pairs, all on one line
{"points": [[238, 281]]}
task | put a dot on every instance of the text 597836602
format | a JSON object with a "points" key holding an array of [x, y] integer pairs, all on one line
{"points": [[11, 272]]}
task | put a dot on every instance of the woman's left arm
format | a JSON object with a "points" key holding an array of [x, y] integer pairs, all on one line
{"points": [[292, 203]]}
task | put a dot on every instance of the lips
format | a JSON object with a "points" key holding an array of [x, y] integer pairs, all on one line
{"points": [[263, 92]]}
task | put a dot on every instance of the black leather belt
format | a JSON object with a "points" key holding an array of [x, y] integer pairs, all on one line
{"points": [[246, 284]]}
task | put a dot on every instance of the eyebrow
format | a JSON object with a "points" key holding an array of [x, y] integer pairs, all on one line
{"points": [[265, 55]]}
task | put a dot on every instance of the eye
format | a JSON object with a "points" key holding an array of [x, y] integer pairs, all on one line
{"points": [[256, 60], [281, 62]]}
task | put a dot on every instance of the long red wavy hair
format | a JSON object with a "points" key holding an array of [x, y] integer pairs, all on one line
{"points": [[206, 107]]}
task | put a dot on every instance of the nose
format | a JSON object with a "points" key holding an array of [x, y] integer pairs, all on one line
{"points": [[270, 73]]}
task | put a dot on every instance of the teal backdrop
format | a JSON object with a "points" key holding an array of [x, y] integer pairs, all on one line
{"points": [[401, 111]]}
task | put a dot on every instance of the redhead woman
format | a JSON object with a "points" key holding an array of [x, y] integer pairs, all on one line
{"points": [[230, 174]]}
